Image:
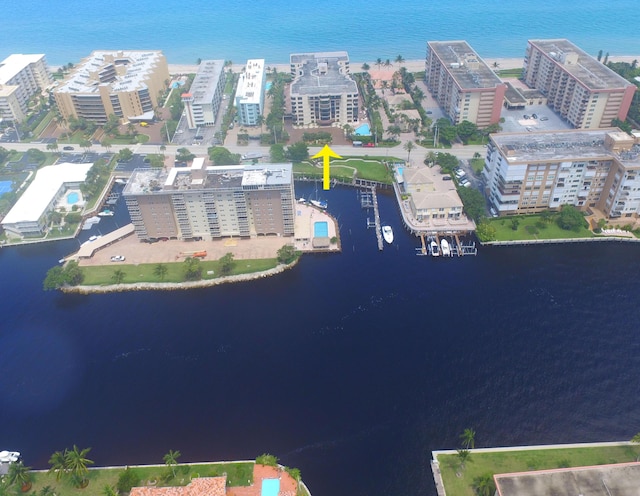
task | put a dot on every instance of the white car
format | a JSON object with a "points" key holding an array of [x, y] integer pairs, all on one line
{"points": [[118, 258]]}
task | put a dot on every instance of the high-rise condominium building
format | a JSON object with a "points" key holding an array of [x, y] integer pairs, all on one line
{"points": [[124, 83], [199, 202], [463, 84], [322, 91], [21, 77], [583, 91], [250, 93], [202, 102], [535, 171]]}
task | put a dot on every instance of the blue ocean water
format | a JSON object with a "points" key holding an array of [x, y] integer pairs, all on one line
{"points": [[185, 31], [352, 367]]}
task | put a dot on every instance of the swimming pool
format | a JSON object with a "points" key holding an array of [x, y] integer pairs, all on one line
{"points": [[320, 229], [267, 85], [73, 198], [363, 130], [270, 487], [5, 187]]}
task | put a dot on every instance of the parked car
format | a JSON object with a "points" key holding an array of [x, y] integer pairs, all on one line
{"points": [[118, 258], [535, 116], [465, 183], [67, 148], [525, 116], [543, 118], [446, 178]]}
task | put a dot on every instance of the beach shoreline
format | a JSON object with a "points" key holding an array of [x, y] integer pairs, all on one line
{"points": [[414, 65]]}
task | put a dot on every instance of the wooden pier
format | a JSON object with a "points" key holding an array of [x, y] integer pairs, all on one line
{"points": [[376, 214]]}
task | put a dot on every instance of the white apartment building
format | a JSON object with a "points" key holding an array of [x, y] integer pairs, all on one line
{"points": [[583, 91], [21, 77], [202, 102], [535, 171], [463, 84], [249, 100], [322, 91]]}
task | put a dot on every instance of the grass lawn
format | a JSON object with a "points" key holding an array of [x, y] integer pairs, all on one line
{"points": [[237, 475], [372, 169], [510, 73], [550, 230], [522, 461], [103, 274], [43, 124], [477, 164]]}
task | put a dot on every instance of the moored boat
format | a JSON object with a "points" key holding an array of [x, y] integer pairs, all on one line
{"points": [[319, 203], [106, 213], [387, 234], [435, 249], [446, 250]]}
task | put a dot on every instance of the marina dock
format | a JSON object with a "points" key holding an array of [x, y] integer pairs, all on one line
{"points": [[369, 199]]}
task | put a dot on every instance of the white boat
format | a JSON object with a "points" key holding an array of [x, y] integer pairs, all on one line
{"points": [[302, 200], [90, 222], [120, 181], [9, 456], [106, 213], [446, 250], [319, 203], [435, 249], [387, 234]]}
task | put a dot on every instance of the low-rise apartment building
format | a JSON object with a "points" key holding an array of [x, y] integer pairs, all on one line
{"points": [[124, 83], [202, 102], [205, 203], [583, 91], [249, 98], [21, 77], [464, 86], [534, 171], [322, 91]]}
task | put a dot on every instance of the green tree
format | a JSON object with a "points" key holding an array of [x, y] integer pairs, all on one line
{"points": [[447, 162], [298, 152], [106, 144], [473, 201], [394, 131], [464, 455], [111, 126], [124, 155], [76, 463], [86, 144], [409, 146], [192, 269], [365, 67], [19, 474], [160, 271], [54, 280], [57, 461], [184, 155], [286, 254], [118, 276], [221, 156], [226, 263], [466, 130], [570, 218], [53, 146], [485, 231], [484, 485], [267, 459], [109, 490], [277, 153], [468, 438], [399, 60], [35, 155], [171, 460], [127, 479], [515, 222]]}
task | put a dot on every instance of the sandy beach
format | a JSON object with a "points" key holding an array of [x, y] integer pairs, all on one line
{"points": [[411, 65]]}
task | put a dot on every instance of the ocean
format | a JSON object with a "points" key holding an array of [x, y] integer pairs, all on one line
{"points": [[351, 367], [215, 29]]}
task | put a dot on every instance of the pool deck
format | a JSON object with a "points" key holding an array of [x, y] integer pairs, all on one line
{"points": [[288, 486], [306, 217]]}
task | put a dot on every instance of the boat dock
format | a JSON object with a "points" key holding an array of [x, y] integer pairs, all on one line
{"points": [[369, 199], [457, 247]]}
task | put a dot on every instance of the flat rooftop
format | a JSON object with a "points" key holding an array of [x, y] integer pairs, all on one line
{"points": [[250, 88], [583, 67], [604, 480], [122, 70], [159, 181], [558, 145], [464, 65], [204, 85], [15, 63], [323, 73]]}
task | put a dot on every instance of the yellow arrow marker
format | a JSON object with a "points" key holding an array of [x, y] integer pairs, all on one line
{"points": [[326, 153]]}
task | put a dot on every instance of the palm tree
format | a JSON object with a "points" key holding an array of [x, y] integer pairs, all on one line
{"points": [[408, 146], [58, 462], [379, 62], [636, 440], [463, 456], [160, 271], [387, 63], [484, 485], [431, 159], [76, 462], [394, 130], [171, 460], [399, 59], [86, 144], [365, 67], [468, 438], [118, 276], [19, 474], [106, 144]]}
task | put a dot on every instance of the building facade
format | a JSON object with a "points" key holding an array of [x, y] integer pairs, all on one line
{"points": [[583, 91], [202, 102], [322, 91], [21, 77], [463, 84], [249, 98], [532, 172], [124, 83], [205, 203]]}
